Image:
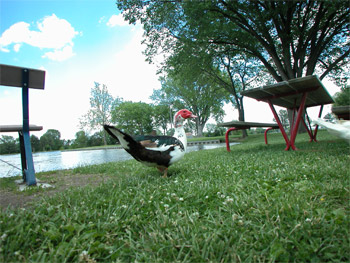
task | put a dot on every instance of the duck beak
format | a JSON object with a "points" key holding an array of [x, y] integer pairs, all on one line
{"points": [[193, 116]]}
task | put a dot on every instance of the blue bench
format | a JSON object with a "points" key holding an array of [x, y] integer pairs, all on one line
{"points": [[24, 78]]}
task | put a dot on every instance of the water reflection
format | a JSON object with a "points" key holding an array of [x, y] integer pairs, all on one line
{"points": [[50, 161]]}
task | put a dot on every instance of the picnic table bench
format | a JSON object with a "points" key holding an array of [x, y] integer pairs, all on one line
{"points": [[24, 78], [242, 125]]}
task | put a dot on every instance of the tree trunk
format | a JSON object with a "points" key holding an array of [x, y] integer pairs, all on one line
{"points": [[200, 130], [241, 116], [104, 137], [301, 128]]}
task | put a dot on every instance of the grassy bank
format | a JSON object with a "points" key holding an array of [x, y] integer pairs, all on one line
{"points": [[255, 204]]}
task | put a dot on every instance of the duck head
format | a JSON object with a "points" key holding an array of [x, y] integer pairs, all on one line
{"points": [[181, 116]]}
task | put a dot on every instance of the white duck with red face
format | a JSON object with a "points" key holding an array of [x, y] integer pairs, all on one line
{"points": [[179, 119], [157, 151]]}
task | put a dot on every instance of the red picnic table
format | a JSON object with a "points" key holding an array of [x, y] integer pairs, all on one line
{"points": [[297, 95]]}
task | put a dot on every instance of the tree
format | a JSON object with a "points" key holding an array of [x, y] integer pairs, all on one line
{"points": [[214, 130], [162, 116], [8, 145], [81, 140], [51, 140], [97, 139], [203, 98], [342, 98], [283, 116], [226, 68], [100, 109], [35, 142], [290, 38], [67, 143], [133, 117]]}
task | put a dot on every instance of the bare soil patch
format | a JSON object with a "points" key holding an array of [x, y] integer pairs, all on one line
{"points": [[62, 180]]}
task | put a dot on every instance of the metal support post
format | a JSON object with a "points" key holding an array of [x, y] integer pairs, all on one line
{"points": [[297, 122], [28, 170], [319, 116], [285, 136]]}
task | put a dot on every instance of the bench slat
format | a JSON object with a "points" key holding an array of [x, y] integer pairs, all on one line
{"points": [[17, 128], [248, 125], [12, 76]]}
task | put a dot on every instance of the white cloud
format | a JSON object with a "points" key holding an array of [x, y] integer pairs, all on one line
{"points": [[17, 33], [4, 49], [60, 54], [117, 20], [53, 33], [126, 73], [122, 68]]}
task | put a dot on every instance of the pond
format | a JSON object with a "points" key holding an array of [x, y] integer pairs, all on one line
{"points": [[51, 161]]}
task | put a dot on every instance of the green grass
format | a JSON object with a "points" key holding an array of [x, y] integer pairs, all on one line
{"points": [[255, 204]]}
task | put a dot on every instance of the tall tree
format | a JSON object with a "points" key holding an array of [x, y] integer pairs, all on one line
{"points": [[162, 116], [99, 114], [81, 140], [203, 98], [290, 38], [8, 144], [283, 116], [226, 68], [133, 117], [342, 98], [51, 140], [35, 142], [96, 139]]}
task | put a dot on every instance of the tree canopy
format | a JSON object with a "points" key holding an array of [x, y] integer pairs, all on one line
{"points": [[202, 97], [286, 39], [51, 140], [133, 117], [290, 38], [342, 98]]}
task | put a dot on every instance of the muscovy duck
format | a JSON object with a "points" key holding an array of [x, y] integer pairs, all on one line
{"points": [[156, 151], [340, 129]]}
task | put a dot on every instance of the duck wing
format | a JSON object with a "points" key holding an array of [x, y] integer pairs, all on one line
{"points": [[157, 142], [158, 151]]}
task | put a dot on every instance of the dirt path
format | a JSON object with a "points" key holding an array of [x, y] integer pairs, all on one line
{"points": [[10, 196]]}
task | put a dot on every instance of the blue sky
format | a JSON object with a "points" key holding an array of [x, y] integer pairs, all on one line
{"points": [[77, 43]]}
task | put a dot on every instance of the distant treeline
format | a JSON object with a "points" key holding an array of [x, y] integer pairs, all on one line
{"points": [[51, 141]]}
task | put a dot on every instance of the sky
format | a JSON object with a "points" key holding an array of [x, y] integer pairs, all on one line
{"points": [[77, 43]]}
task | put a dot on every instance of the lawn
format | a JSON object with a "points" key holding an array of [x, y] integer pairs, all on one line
{"points": [[257, 203]]}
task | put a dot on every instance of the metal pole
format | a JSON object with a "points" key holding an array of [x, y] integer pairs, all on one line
{"points": [[285, 136], [29, 169]]}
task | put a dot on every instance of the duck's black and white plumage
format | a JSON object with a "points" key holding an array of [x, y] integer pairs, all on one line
{"points": [[157, 151]]}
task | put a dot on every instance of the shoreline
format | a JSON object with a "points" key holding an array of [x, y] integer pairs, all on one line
{"points": [[108, 147]]}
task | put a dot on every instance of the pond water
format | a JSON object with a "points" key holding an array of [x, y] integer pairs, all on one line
{"points": [[51, 161]]}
